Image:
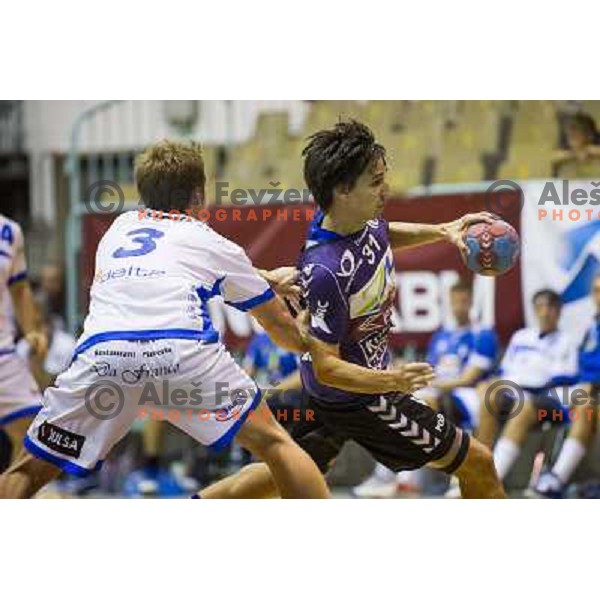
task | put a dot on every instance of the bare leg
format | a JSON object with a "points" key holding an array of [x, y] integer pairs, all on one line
{"points": [[294, 472], [477, 475], [152, 435], [488, 419], [16, 431], [26, 476], [517, 429], [584, 424], [254, 481], [508, 447]]}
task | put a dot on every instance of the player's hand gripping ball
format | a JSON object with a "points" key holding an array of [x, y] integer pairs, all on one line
{"points": [[491, 248]]}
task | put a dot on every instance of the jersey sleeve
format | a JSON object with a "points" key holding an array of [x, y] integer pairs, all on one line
{"points": [[485, 350], [239, 282], [18, 270], [328, 309]]}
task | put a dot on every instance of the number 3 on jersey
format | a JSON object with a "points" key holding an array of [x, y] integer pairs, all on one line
{"points": [[145, 238]]}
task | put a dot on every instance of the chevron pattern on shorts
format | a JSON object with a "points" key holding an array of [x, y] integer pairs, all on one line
{"points": [[404, 426]]}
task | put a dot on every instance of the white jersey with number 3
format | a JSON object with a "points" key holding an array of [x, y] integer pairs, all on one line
{"points": [[154, 276]]}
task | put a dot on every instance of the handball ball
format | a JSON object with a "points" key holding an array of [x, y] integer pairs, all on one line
{"points": [[492, 248]]}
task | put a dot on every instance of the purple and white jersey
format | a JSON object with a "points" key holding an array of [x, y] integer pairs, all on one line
{"points": [[349, 285]]}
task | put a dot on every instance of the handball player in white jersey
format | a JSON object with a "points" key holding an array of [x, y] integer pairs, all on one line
{"points": [[148, 342], [19, 395]]}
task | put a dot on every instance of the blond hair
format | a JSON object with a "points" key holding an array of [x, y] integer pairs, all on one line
{"points": [[168, 173]]}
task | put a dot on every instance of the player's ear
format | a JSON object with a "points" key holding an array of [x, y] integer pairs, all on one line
{"points": [[342, 189], [198, 196]]}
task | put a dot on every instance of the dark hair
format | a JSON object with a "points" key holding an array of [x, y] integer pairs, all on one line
{"points": [[338, 156], [584, 123], [550, 296], [462, 285], [167, 173]]}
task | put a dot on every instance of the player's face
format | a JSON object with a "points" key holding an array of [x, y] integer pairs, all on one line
{"points": [[547, 314], [367, 198], [576, 137], [460, 305]]}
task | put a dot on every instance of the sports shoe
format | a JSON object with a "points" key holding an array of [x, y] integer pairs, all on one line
{"points": [[186, 483], [549, 486], [375, 487], [141, 482]]}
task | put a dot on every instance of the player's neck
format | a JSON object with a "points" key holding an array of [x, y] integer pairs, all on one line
{"points": [[343, 224]]}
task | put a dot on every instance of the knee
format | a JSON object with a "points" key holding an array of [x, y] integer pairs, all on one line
{"points": [[486, 407], [520, 424], [479, 460], [266, 439]]}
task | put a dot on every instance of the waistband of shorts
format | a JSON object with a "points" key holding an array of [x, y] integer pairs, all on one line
{"points": [[208, 336]]}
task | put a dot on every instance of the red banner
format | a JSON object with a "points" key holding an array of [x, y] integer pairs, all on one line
{"points": [[273, 236]]}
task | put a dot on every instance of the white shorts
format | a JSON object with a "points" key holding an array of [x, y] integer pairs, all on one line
{"points": [[19, 394], [466, 400], [197, 387]]}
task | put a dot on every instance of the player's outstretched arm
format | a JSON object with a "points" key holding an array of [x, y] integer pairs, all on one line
{"points": [[407, 235], [333, 371]]}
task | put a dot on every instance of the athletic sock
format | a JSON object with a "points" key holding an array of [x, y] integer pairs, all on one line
{"points": [[506, 453], [569, 458]]}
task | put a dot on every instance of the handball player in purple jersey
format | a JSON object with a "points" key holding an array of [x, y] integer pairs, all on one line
{"points": [[346, 272]]}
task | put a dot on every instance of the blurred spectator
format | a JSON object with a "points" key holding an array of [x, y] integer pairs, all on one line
{"points": [[581, 157], [537, 360], [51, 292], [553, 483]]}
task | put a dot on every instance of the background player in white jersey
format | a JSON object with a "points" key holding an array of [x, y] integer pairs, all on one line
{"points": [[19, 395], [148, 342], [553, 483], [537, 360]]}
